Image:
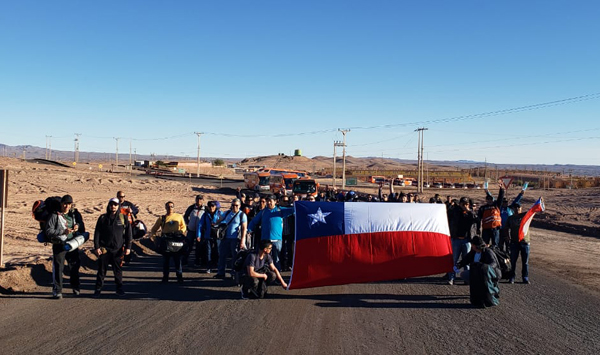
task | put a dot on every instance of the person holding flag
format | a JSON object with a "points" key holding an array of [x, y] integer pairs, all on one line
{"points": [[518, 225]]}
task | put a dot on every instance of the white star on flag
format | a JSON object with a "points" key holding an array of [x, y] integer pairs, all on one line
{"points": [[318, 217]]}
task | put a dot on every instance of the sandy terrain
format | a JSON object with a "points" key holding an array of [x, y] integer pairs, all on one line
{"points": [[574, 255]]}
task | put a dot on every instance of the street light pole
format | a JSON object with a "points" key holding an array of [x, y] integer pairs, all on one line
{"points": [[344, 131], [198, 156]]}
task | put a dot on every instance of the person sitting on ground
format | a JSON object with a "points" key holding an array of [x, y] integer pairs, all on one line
{"points": [[260, 271], [483, 274]]}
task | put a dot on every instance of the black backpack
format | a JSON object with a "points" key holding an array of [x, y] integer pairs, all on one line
{"points": [[240, 260], [503, 262], [41, 212]]}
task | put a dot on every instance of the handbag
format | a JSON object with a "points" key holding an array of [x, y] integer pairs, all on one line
{"points": [[221, 229], [171, 244]]}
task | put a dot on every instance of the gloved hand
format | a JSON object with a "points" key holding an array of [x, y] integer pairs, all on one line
{"points": [[456, 270]]}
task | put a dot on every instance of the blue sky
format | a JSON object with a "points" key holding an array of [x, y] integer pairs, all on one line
{"points": [[264, 77]]}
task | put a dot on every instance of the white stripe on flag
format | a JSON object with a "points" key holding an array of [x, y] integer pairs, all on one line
{"points": [[403, 217]]}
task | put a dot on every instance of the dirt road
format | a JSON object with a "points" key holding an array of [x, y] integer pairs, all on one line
{"points": [[206, 316]]}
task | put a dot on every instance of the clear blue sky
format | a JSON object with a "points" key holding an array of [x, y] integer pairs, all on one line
{"points": [[263, 77]]}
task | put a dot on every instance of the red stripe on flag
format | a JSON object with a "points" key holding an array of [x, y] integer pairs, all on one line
{"points": [[369, 257]]}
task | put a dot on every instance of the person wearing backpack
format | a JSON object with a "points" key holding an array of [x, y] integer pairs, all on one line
{"points": [[259, 271], [113, 230], [205, 236], [192, 217], [170, 223], [490, 217], [60, 227], [271, 221], [236, 224]]}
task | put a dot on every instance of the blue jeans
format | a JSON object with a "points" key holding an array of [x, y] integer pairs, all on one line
{"points": [[227, 249], [277, 245], [515, 249], [460, 248], [491, 235]]}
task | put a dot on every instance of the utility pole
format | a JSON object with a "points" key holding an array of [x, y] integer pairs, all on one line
{"points": [[198, 156], [76, 157], [117, 153], [335, 144], [48, 147], [420, 169], [344, 131], [130, 163]]}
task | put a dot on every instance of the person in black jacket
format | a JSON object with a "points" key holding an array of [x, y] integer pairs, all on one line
{"points": [[463, 226], [113, 230], [62, 226], [483, 274]]}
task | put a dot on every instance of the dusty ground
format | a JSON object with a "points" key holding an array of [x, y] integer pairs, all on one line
{"points": [[574, 255]]}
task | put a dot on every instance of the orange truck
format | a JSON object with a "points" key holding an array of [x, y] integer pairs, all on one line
{"points": [[257, 181]]}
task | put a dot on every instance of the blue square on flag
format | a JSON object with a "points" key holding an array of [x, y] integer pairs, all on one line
{"points": [[319, 219]]}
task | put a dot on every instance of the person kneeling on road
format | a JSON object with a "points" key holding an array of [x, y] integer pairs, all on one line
{"points": [[260, 271]]}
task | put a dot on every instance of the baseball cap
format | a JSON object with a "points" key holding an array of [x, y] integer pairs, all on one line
{"points": [[66, 199], [114, 200]]}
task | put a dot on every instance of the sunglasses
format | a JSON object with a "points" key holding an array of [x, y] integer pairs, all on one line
{"points": [[122, 196], [235, 205]]}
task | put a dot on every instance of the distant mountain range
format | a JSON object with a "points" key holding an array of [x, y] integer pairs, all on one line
{"points": [[31, 152]]}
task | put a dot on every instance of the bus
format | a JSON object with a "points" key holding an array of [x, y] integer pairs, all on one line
{"points": [[305, 187], [257, 181]]}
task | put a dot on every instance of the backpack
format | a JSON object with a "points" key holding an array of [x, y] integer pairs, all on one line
{"points": [[41, 212], [491, 218], [240, 260], [503, 263]]}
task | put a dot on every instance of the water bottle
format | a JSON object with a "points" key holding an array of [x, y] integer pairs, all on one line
{"points": [[525, 185]]}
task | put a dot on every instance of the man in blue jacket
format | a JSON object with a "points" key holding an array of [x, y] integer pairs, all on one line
{"points": [[271, 222]]}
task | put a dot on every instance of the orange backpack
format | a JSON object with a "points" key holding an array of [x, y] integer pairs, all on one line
{"points": [[491, 218]]}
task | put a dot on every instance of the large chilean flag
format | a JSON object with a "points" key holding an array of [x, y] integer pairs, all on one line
{"points": [[350, 242]]}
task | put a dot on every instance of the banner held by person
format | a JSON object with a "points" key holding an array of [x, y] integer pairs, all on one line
{"points": [[354, 242], [538, 206]]}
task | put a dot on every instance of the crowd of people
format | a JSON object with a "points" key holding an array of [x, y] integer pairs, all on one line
{"points": [[265, 224]]}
